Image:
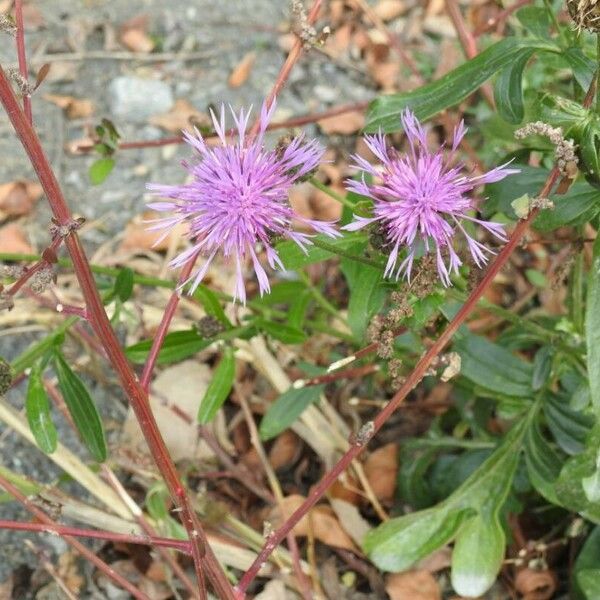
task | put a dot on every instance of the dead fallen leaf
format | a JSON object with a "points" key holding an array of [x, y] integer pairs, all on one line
{"points": [[381, 469], [343, 124], [17, 198], [180, 387], [387, 10], [75, 108], [137, 236], [285, 451], [183, 116], [133, 34], [13, 240], [273, 590], [535, 585], [325, 526], [68, 571], [242, 70], [412, 585], [436, 561], [351, 519]]}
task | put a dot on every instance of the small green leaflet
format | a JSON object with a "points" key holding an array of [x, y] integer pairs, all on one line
{"points": [[37, 407], [82, 408], [286, 409], [101, 169], [219, 388], [177, 346], [592, 327], [124, 284]]}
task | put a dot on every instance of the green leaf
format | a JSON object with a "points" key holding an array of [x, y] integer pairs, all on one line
{"points": [[296, 313], [211, 304], [508, 90], [592, 326], [569, 427], [367, 294], [589, 583], [543, 463], [492, 367], [101, 169], [177, 346], [542, 366], [583, 67], [580, 205], [293, 258], [286, 409], [587, 575], [453, 87], [281, 331], [82, 409], [536, 20], [219, 387], [37, 408], [477, 556], [124, 284], [401, 542]]}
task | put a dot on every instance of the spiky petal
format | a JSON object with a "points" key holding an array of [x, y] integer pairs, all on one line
{"points": [[422, 200], [238, 199]]}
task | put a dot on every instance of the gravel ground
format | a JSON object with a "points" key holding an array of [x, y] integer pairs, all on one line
{"points": [[223, 32]]}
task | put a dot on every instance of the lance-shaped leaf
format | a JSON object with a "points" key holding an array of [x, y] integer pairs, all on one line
{"points": [[219, 388], [37, 408]]}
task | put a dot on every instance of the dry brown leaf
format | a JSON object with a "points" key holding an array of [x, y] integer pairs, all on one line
{"points": [[137, 236], [13, 240], [346, 488], [183, 116], [137, 40], [386, 74], [68, 571], [387, 10], [381, 469], [273, 590], [75, 108], [17, 198], [351, 519], [436, 561], [338, 42], [285, 450], [180, 387], [242, 70], [412, 585], [535, 585], [321, 519], [344, 124]]}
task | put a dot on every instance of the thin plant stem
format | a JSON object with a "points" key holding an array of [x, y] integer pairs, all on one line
{"points": [[100, 323], [411, 381], [22, 57], [319, 298], [319, 243], [48, 523], [331, 193], [29, 273]]}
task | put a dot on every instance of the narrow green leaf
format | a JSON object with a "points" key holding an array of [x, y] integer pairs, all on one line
{"points": [[211, 304], [592, 326], [82, 409], [37, 407], [453, 87], [286, 409], [367, 294], [124, 284], [177, 346], [543, 463], [101, 169], [536, 20], [542, 365], [281, 331], [219, 387], [583, 67], [508, 90]]}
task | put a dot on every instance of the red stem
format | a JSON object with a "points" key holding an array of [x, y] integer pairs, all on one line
{"points": [[412, 380], [109, 536], [101, 325], [48, 523], [22, 57]]}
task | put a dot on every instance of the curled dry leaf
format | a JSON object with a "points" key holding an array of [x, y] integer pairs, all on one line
{"points": [[381, 469], [535, 585], [242, 70], [321, 519], [13, 240], [68, 570], [183, 116], [285, 451], [351, 519], [137, 236], [75, 108], [343, 124], [413, 585], [17, 198]]}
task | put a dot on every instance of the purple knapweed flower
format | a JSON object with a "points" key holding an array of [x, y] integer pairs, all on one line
{"points": [[237, 199], [422, 200]]}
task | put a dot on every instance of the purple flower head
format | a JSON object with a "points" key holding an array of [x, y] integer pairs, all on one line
{"points": [[422, 200], [237, 199]]}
